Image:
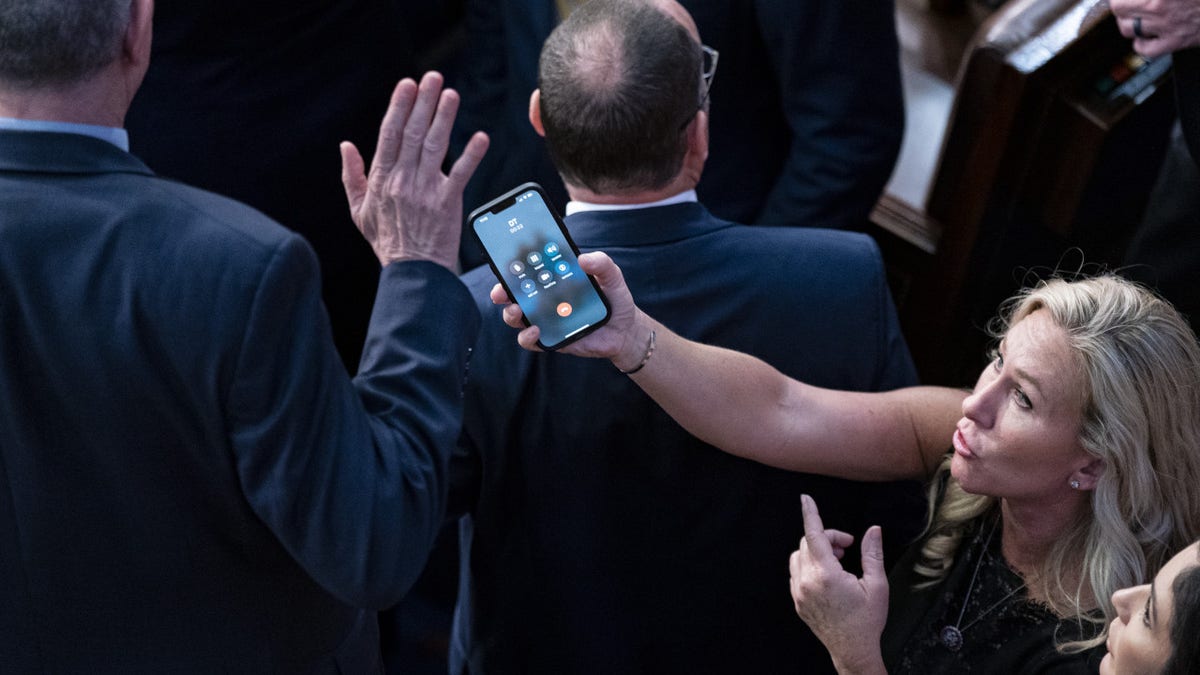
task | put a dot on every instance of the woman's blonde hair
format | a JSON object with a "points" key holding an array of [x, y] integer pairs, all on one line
{"points": [[1141, 417]]}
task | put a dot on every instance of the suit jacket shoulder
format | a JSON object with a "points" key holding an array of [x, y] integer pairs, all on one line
{"points": [[195, 476], [582, 492]]}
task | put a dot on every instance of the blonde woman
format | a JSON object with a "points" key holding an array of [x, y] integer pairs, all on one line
{"points": [[1067, 474]]}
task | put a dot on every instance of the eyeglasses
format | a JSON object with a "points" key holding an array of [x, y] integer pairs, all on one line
{"points": [[708, 68]]}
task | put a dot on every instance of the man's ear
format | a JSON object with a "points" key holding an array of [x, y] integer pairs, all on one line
{"points": [[135, 48], [535, 112], [698, 135], [134, 59], [697, 149]]}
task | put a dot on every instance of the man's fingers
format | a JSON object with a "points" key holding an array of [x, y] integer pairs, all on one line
{"points": [[1125, 26], [1152, 35], [354, 181], [1138, 27], [391, 130], [468, 161], [1123, 7], [814, 532], [437, 141], [1153, 47], [428, 94]]}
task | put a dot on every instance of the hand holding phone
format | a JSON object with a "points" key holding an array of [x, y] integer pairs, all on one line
{"points": [[617, 340], [533, 256]]}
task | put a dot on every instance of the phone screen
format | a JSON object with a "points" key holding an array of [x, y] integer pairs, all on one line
{"points": [[536, 261]]}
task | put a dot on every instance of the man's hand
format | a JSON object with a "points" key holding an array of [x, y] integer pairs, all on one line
{"points": [[407, 209], [623, 339], [846, 613], [1158, 27]]}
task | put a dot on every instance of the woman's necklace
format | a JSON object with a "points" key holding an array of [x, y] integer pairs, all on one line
{"points": [[952, 636]]}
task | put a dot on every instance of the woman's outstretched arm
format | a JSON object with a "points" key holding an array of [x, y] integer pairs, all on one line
{"points": [[744, 406]]}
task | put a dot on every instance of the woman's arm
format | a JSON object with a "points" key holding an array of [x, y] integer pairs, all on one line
{"points": [[745, 407]]}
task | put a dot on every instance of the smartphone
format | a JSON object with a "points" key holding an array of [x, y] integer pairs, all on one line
{"points": [[530, 251]]}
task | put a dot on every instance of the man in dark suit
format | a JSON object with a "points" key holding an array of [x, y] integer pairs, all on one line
{"points": [[807, 116], [601, 537], [190, 479], [1163, 250]]}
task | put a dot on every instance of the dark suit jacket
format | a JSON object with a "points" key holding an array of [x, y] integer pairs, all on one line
{"points": [[189, 480], [806, 110], [499, 73], [1162, 250], [1187, 95], [602, 538]]}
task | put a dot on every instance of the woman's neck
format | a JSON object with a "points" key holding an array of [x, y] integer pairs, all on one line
{"points": [[1030, 532]]}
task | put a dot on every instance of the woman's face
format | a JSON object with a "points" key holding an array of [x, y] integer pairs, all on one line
{"points": [[1139, 638], [1019, 434]]}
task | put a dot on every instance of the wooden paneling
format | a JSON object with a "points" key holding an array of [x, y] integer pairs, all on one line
{"points": [[1040, 164]]}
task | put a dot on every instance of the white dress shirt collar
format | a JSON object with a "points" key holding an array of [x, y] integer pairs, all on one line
{"points": [[574, 207]]}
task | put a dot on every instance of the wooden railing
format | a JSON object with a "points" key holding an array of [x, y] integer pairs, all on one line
{"points": [[1047, 141]]}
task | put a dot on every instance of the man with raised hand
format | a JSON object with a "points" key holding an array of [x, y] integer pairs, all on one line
{"points": [[189, 480]]}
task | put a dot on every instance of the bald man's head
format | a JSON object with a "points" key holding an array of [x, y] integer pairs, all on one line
{"points": [[619, 82], [678, 12]]}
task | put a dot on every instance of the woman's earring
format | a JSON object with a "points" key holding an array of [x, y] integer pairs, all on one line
{"points": [[1074, 485]]}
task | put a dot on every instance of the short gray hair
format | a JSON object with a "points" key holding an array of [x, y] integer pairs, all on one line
{"points": [[56, 42], [620, 80]]}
